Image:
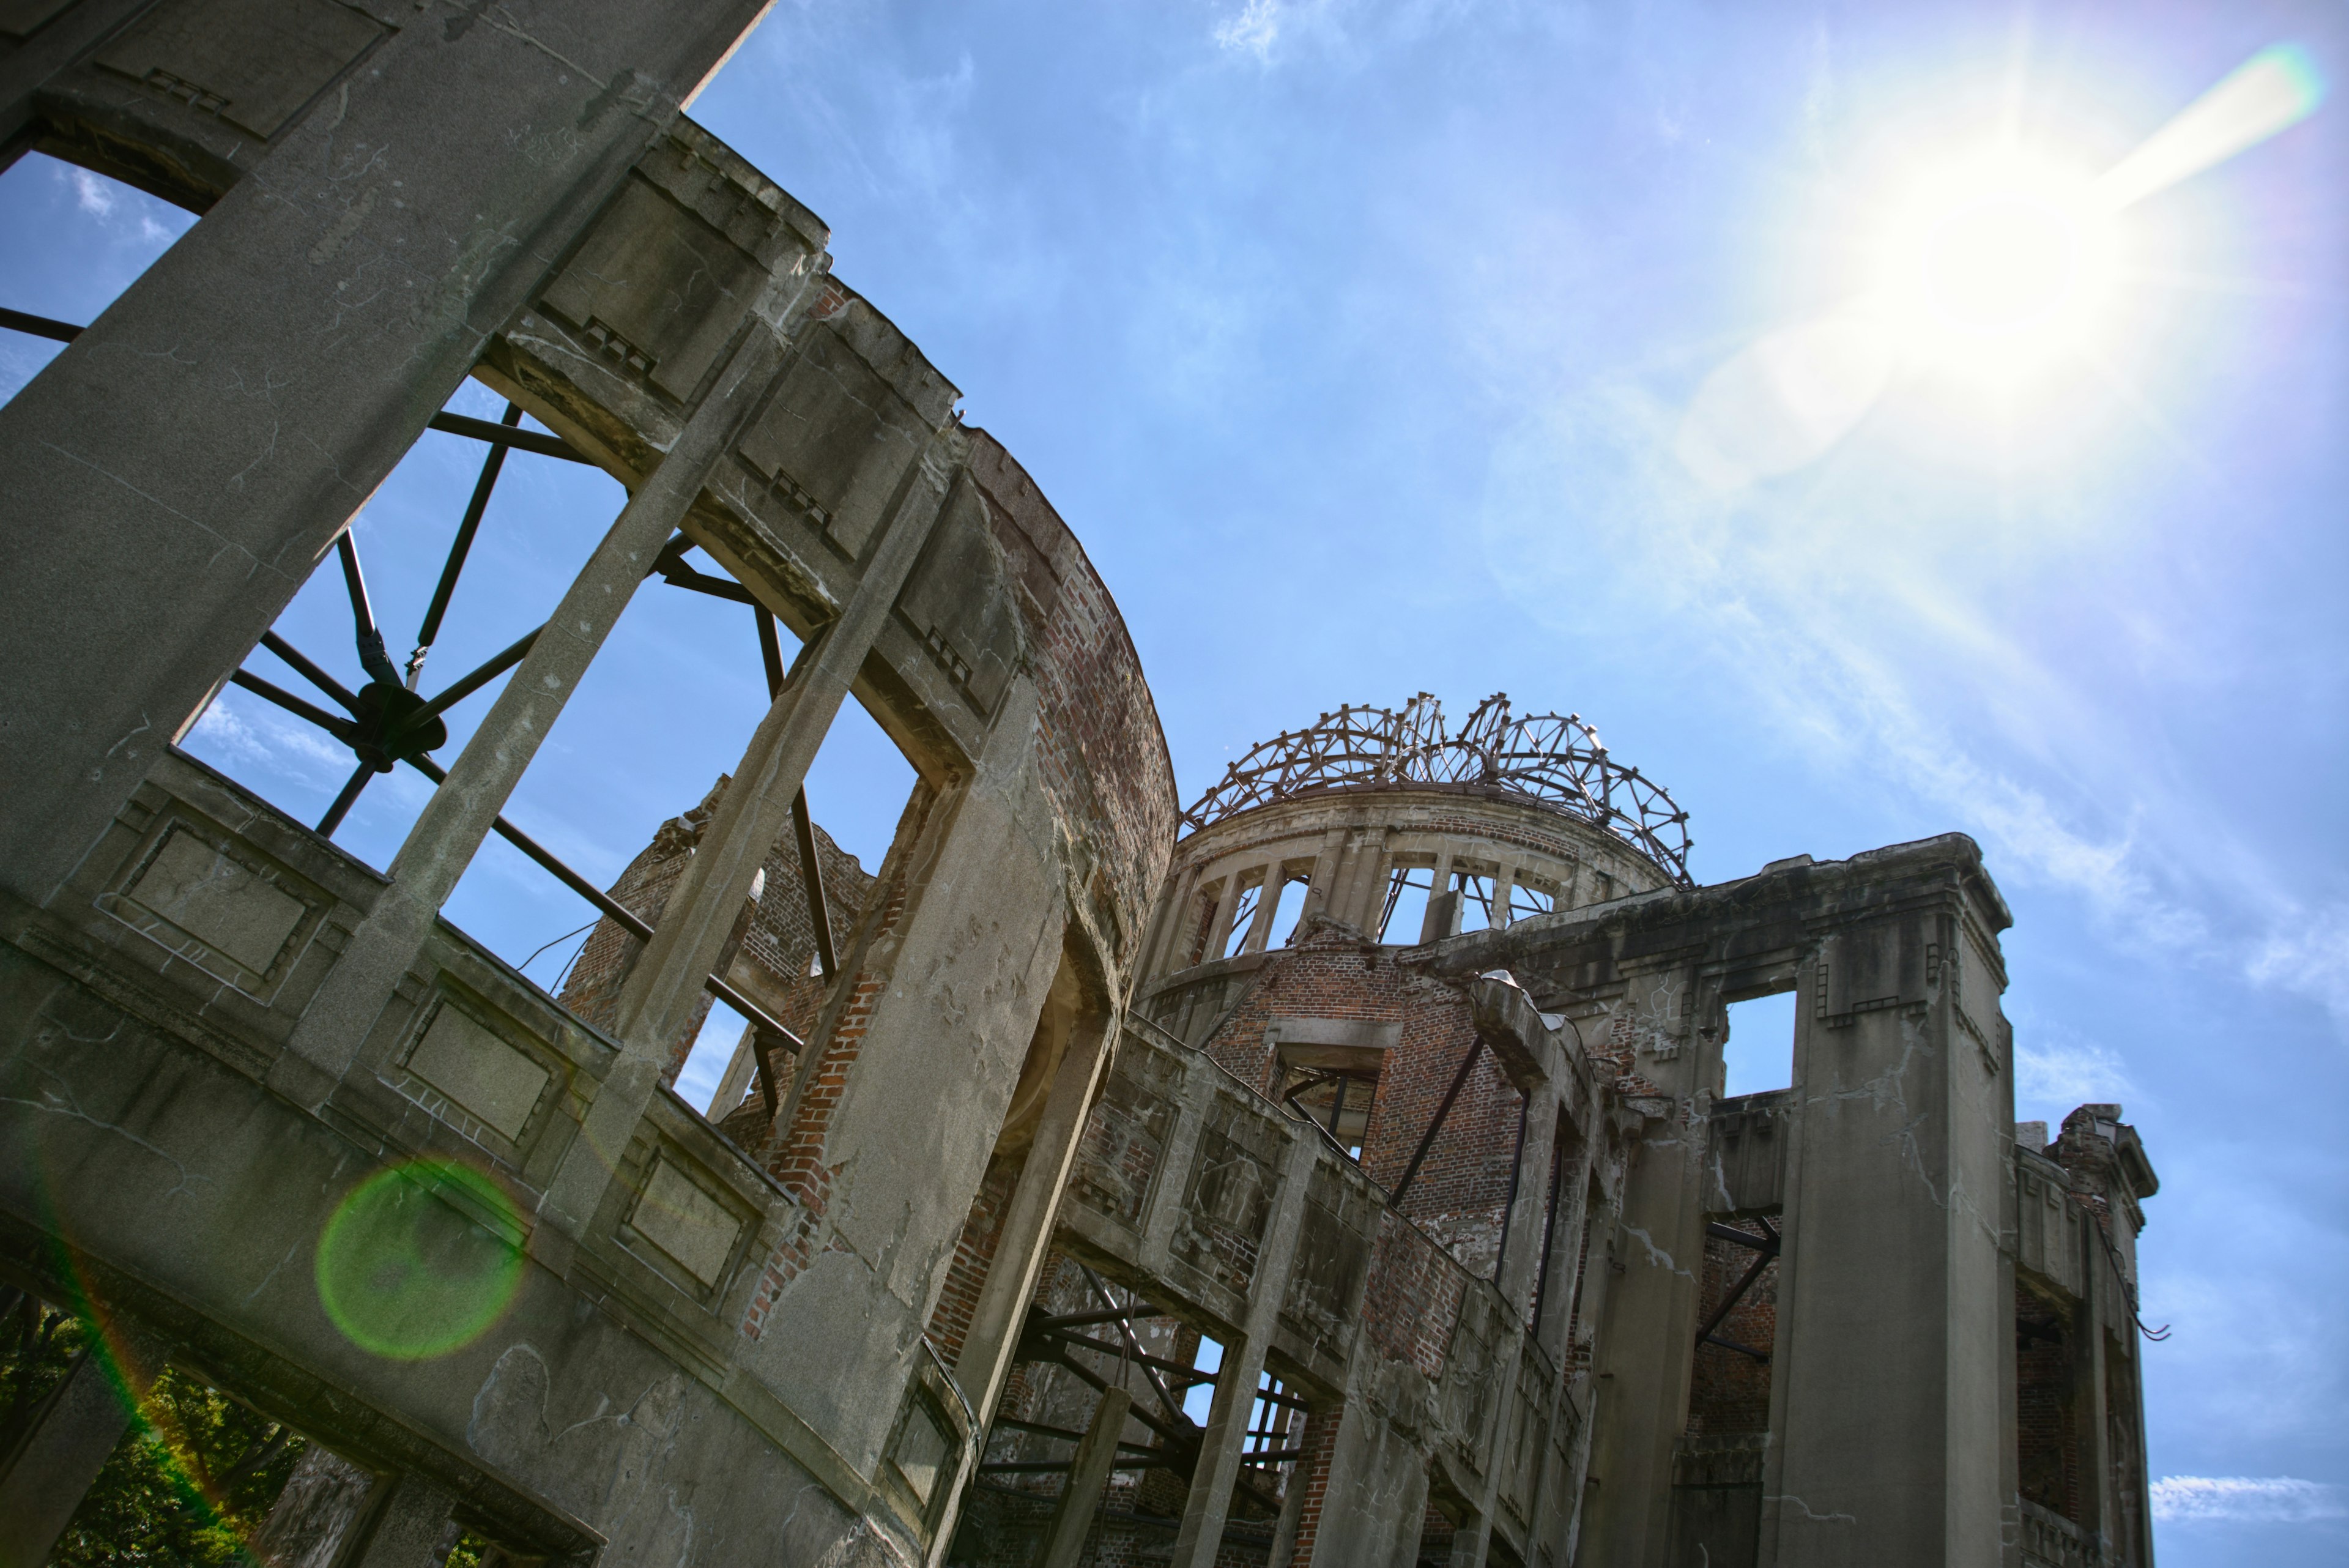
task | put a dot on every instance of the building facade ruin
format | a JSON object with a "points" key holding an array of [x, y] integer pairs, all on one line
{"points": [[1339, 1172]]}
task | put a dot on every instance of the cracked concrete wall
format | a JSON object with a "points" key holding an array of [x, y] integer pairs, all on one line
{"points": [[700, 1351]]}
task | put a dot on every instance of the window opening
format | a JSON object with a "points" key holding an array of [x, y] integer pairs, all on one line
{"points": [[1759, 1054], [1285, 912], [1243, 917], [722, 1030], [1199, 1399], [1476, 891], [1526, 899], [1338, 1101], [669, 667], [1276, 1422], [96, 235], [1406, 905]]}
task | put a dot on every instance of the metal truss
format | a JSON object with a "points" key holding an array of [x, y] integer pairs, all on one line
{"points": [[1551, 760], [1063, 1340], [1766, 1250]]}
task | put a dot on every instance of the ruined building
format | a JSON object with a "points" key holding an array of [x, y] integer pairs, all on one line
{"points": [[1338, 1172]]}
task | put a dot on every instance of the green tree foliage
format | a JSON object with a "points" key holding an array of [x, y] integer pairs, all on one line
{"points": [[192, 1478]]}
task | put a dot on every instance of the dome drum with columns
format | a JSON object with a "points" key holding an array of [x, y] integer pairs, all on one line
{"points": [[1386, 822]]}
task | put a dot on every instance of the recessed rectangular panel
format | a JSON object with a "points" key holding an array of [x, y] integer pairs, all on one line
{"points": [[694, 1229], [254, 63], [480, 1070], [656, 290], [836, 438], [21, 18], [221, 901]]}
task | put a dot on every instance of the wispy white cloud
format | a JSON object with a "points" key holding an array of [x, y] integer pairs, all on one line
{"points": [[2055, 1069], [2246, 1499], [1848, 607], [1253, 30], [92, 195], [250, 733]]}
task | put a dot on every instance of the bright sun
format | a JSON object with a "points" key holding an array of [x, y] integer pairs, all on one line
{"points": [[1996, 268]]}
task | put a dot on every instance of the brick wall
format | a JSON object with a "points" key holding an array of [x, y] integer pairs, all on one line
{"points": [[2046, 1429], [1729, 1393], [974, 1256], [1461, 1192], [777, 938]]}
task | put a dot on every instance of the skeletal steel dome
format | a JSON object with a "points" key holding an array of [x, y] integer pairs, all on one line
{"points": [[1551, 760]]}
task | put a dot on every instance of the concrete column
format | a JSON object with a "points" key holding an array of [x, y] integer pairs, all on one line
{"points": [[1158, 1221], [1321, 880], [1521, 1252], [1503, 880], [461, 812], [75, 1428], [1172, 894], [409, 1528], [1646, 1347], [1565, 1247], [1887, 1370], [1220, 927], [1361, 886], [2094, 1439], [1376, 1494], [1072, 1516], [175, 472], [1267, 904], [325, 1501], [1011, 1284], [1443, 919], [1292, 1501], [1201, 1534], [664, 988]]}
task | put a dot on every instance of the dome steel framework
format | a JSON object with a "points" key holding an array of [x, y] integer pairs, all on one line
{"points": [[1551, 760]]}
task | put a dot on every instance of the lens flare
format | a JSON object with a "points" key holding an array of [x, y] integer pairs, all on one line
{"points": [[418, 1261], [2273, 90]]}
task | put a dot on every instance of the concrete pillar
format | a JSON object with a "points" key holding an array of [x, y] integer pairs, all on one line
{"points": [[1886, 1377], [1011, 1285], [1362, 884], [461, 812], [409, 1528], [665, 987], [1219, 927], [1292, 1501], [2095, 1438], [1376, 1492], [1646, 1346], [323, 1502], [1503, 882], [1201, 1534], [1072, 1516], [1522, 1248], [74, 1430], [175, 472], [1267, 904], [1565, 1247], [1443, 919], [1323, 880]]}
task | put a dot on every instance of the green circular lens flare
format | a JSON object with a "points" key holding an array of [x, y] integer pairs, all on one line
{"points": [[407, 1267]]}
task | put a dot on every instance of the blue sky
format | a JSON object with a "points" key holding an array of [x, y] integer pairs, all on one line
{"points": [[1353, 339]]}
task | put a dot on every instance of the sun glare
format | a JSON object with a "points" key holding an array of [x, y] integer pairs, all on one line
{"points": [[1996, 268], [1995, 273]]}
